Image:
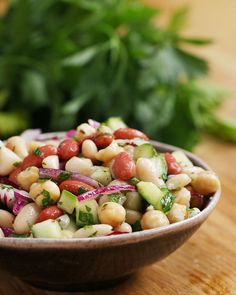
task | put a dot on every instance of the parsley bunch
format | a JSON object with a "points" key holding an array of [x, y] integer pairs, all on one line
{"points": [[62, 61]]}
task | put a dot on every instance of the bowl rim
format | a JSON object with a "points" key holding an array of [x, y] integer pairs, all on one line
{"points": [[124, 239]]}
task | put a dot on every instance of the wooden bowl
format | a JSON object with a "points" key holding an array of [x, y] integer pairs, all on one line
{"points": [[92, 263]]}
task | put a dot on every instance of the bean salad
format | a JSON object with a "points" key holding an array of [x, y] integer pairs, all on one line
{"points": [[101, 179]]}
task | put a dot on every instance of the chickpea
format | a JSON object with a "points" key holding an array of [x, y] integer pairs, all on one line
{"points": [[1, 234], [107, 154], [80, 165], [51, 162], [6, 218], [192, 170], [117, 182], [18, 145], [132, 216], [182, 197], [177, 213], [84, 130], [154, 219], [133, 201], [95, 230], [26, 218], [44, 193], [8, 159], [89, 149], [27, 177], [111, 213], [123, 228], [205, 183], [178, 181]]}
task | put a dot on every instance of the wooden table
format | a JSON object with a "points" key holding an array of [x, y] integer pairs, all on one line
{"points": [[206, 264]]}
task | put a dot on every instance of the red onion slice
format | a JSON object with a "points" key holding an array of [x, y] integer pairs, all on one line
{"points": [[61, 175], [93, 123], [7, 231], [71, 133], [106, 190]]}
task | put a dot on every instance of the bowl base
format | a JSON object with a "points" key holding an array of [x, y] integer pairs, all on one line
{"points": [[83, 287]]}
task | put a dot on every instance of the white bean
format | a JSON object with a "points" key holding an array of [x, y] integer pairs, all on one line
{"points": [[51, 162], [132, 216], [177, 213], [95, 230], [27, 177], [192, 170], [6, 218], [147, 171], [18, 145], [8, 160], [26, 218], [1, 234], [177, 181], [111, 213], [107, 154], [193, 212], [89, 149], [105, 129], [123, 228], [205, 183], [182, 196], [67, 234], [44, 193], [84, 130], [154, 219], [80, 165]]}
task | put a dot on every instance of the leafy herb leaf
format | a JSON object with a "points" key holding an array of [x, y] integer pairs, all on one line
{"points": [[167, 201], [64, 175], [47, 199], [37, 152]]}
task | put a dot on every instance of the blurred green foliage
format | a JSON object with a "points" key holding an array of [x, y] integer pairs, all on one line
{"points": [[64, 61]]}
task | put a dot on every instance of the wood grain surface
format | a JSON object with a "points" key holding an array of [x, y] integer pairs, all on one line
{"points": [[206, 264]]}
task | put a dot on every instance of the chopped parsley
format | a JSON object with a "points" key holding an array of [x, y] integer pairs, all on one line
{"points": [[87, 227], [37, 152], [86, 218], [134, 180], [64, 175], [17, 164], [136, 226], [82, 190], [47, 199], [114, 198], [19, 236], [167, 201], [93, 234], [88, 208]]}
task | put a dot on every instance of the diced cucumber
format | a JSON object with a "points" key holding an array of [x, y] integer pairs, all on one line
{"points": [[86, 213], [151, 193], [145, 150], [182, 159], [115, 123], [67, 202], [101, 174], [161, 166], [47, 229]]}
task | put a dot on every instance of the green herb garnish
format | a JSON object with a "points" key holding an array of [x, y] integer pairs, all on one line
{"points": [[114, 198], [134, 180], [64, 175], [167, 201], [82, 190], [47, 199], [17, 164], [93, 234], [136, 226], [86, 218], [37, 152]]}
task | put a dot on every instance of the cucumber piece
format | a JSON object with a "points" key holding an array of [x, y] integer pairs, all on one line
{"points": [[67, 201], [47, 229], [101, 174], [151, 193], [86, 213], [182, 159], [145, 150], [115, 123], [161, 166]]}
